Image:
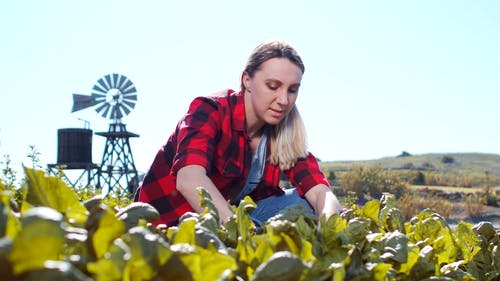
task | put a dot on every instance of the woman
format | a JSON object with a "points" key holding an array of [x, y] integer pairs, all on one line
{"points": [[216, 144]]}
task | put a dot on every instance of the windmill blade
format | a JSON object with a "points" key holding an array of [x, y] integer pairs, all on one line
{"points": [[130, 97], [105, 106], [97, 88], [122, 80], [82, 101], [115, 80], [99, 97], [129, 91], [125, 109], [126, 86], [110, 83], [103, 85], [130, 104]]}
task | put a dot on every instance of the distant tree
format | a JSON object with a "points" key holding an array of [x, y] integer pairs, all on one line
{"points": [[408, 166], [427, 166], [371, 180], [331, 175], [447, 159], [416, 177], [404, 154]]}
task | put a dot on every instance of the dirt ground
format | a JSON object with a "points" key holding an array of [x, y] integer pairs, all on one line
{"points": [[490, 214]]}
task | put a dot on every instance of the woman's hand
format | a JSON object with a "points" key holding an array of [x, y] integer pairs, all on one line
{"points": [[323, 201]]}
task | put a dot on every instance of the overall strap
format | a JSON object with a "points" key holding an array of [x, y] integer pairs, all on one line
{"points": [[256, 170]]}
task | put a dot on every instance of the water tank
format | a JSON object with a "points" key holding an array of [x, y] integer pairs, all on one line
{"points": [[74, 146]]}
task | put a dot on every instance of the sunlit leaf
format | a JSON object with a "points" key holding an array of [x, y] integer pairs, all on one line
{"points": [[467, 240], [379, 271], [412, 259], [109, 227], [47, 235], [147, 252], [54, 193], [111, 266], [185, 232], [245, 223], [371, 210], [9, 223]]}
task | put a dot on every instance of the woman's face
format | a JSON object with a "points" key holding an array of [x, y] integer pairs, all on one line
{"points": [[272, 90]]}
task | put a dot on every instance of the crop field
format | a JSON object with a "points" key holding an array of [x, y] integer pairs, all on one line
{"points": [[466, 190], [48, 232]]}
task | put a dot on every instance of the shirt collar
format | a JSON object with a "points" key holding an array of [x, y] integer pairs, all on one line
{"points": [[237, 109]]}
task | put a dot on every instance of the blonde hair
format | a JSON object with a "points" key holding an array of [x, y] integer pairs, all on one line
{"points": [[288, 138], [288, 141]]}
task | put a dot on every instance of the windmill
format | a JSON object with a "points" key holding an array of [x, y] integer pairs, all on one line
{"points": [[113, 97]]}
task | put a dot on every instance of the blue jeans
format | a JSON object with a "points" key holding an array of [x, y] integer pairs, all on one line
{"points": [[271, 206]]}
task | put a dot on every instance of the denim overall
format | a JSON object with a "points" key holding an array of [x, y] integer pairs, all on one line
{"points": [[270, 206]]}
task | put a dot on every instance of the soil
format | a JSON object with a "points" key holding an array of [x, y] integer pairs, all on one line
{"points": [[489, 214]]}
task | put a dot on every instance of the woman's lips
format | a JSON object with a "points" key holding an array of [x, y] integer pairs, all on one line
{"points": [[276, 113]]}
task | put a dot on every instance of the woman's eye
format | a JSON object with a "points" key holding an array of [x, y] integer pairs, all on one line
{"points": [[293, 90], [273, 87]]}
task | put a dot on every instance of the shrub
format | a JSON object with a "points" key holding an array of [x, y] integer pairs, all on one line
{"points": [[416, 177], [474, 205], [411, 203], [373, 181], [447, 159], [404, 154]]}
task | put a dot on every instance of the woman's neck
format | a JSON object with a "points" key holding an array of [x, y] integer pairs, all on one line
{"points": [[252, 123]]}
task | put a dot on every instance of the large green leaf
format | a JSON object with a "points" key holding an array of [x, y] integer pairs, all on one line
{"points": [[54, 193], [185, 232], [147, 252], [371, 210], [379, 270], [41, 239], [9, 224], [106, 229], [111, 267], [197, 263], [329, 232], [412, 259], [395, 247], [282, 265], [467, 240]]}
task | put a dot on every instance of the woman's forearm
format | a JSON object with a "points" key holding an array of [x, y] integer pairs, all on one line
{"points": [[323, 200], [191, 177]]}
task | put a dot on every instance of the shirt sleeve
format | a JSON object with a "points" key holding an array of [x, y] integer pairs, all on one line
{"points": [[306, 174], [196, 134]]}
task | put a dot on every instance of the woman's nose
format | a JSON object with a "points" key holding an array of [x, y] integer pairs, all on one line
{"points": [[283, 97]]}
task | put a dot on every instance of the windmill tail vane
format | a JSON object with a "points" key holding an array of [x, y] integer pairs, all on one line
{"points": [[82, 101], [113, 96]]}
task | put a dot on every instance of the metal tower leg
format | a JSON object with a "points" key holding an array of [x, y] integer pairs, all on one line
{"points": [[117, 171]]}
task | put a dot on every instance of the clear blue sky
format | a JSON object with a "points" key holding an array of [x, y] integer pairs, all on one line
{"points": [[381, 76]]}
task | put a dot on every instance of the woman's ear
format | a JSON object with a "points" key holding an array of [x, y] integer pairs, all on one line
{"points": [[246, 79]]}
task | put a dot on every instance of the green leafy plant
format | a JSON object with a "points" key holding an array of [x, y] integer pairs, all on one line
{"points": [[52, 235]]}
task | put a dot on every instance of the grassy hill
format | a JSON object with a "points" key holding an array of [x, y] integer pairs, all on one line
{"points": [[477, 166]]}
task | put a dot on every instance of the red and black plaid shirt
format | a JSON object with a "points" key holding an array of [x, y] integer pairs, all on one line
{"points": [[212, 134]]}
